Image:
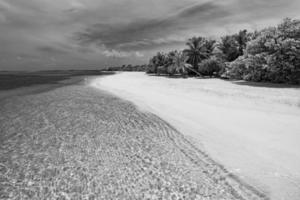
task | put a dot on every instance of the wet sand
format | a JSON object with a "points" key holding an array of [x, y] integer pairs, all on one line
{"points": [[77, 142]]}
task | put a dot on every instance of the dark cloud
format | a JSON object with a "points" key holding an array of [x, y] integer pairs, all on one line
{"points": [[51, 50], [144, 33], [203, 9], [42, 33]]}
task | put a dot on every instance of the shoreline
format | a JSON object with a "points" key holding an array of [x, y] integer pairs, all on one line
{"points": [[38, 88], [242, 127], [81, 142], [25, 83], [233, 180]]}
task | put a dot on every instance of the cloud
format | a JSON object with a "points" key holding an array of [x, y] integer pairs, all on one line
{"points": [[51, 50], [149, 32], [100, 32], [114, 53], [4, 5], [121, 54], [75, 6]]}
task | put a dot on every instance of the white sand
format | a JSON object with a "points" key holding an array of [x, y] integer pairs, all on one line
{"points": [[253, 131]]}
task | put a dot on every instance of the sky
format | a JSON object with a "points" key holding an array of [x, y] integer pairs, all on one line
{"points": [[92, 34]]}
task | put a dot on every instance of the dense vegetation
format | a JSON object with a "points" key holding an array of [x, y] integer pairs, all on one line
{"points": [[269, 55], [128, 68]]}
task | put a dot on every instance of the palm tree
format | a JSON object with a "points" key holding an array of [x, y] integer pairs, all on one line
{"points": [[180, 65], [156, 61], [233, 46], [199, 49]]}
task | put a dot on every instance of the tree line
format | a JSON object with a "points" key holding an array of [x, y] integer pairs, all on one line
{"points": [[268, 55], [127, 68]]}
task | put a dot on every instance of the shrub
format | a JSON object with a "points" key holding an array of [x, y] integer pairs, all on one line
{"points": [[284, 63], [273, 55], [232, 46], [255, 68], [171, 70], [161, 70], [150, 69], [235, 69], [210, 67], [229, 47]]}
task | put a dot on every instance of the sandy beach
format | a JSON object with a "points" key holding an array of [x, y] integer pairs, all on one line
{"points": [[251, 129], [149, 100], [78, 142]]}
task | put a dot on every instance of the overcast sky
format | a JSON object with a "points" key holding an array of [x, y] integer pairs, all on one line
{"points": [[86, 34]]}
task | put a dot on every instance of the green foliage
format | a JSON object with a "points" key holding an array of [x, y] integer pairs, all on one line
{"points": [[179, 63], [158, 60], [229, 47], [251, 68], [256, 68], [272, 55], [210, 67], [289, 29], [174, 62], [232, 46], [171, 70], [235, 69], [150, 69], [161, 70], [284, 63], [265, 41], [242, 38], [128, 68], [199, 49]]}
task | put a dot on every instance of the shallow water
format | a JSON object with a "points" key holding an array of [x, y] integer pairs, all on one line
{"points": [[77, 142]]}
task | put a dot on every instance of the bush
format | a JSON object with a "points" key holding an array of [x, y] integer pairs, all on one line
{"points": [[255, 68], [171, 70], [210, 67], [151, 69], [235, 69], [273, 56], [161, 70], [284, 63]]}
